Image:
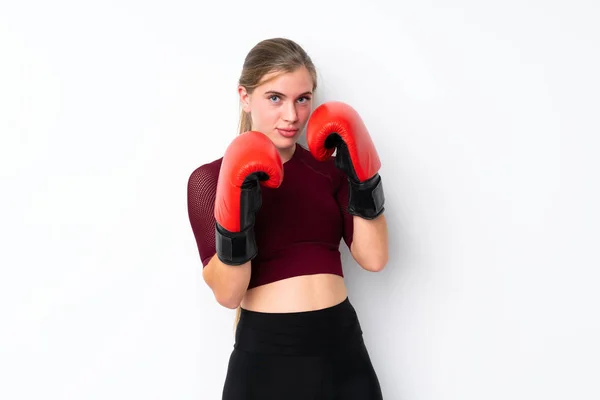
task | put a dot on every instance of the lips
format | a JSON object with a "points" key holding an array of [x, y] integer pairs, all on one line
{"points": [[287, 132]]}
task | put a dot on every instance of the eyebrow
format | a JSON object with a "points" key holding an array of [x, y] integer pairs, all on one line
{"points": [[283, 95]]}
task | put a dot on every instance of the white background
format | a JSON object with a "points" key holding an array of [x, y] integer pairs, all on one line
{"points": [[485, 116]]}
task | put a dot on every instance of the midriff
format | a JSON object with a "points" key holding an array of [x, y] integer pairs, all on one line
{"points": [[300, 293]]}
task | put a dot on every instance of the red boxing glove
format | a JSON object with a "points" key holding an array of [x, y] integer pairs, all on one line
{"points": [[250, 160], [337, 125]]}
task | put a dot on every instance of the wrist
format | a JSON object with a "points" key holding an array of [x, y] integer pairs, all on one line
{"points": [[366, 199], [235, 248]]}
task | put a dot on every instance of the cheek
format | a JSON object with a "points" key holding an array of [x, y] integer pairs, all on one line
{"points": [[264, 110], [304, 113], [264, 116]]}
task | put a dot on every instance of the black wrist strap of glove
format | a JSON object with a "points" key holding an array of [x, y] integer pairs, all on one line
{"points": [[235, 248], [366, 198]]}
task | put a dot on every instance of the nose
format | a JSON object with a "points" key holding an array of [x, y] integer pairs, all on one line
{"points": [[290, 114]]}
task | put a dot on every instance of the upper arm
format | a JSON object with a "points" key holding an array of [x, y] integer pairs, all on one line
{"points": [[201, 193]]}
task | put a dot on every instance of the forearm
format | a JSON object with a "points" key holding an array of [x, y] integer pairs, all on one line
{"points": [[370, 243], [228, 283]]}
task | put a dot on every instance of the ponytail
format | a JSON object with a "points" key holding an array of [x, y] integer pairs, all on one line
{"points": [[237, 318], [245, 122]]}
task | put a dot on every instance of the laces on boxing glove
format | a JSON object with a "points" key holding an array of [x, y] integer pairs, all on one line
{"points": [[237, 248]]}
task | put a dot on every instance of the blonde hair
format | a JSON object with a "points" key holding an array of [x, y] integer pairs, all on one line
{"points": [[270, 55]]}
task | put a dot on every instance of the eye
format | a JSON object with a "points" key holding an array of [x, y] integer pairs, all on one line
{"points": [[274, 97], [305, 98]]}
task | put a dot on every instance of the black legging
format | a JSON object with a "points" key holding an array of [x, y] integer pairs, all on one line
{"points": [[302, 355]]}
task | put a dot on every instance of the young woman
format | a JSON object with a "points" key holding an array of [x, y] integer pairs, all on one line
{"points": [[269, 217]]}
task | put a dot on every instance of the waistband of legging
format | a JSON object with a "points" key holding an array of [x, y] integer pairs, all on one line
{"points": [[299, 333]]}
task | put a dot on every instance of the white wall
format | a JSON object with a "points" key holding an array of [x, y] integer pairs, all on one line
{"points": [[485, 116]]}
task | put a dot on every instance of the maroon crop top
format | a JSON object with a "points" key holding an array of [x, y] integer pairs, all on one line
{"points": [[299, 227]]}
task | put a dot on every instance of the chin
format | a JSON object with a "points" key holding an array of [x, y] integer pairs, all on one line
{"points": [[285, 143]]}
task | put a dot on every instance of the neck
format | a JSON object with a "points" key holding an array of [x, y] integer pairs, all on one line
{"points": [[287, 154]]}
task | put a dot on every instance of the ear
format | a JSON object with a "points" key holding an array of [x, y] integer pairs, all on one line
{"points": [[244, 98]]}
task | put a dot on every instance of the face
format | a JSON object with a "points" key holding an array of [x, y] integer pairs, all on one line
{"points": [[280, 106]]}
